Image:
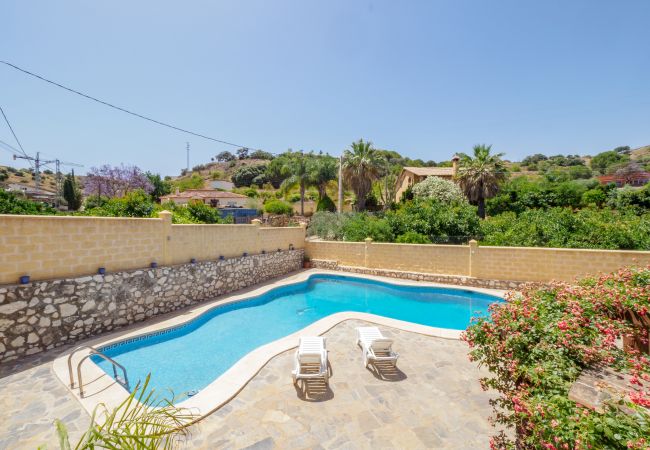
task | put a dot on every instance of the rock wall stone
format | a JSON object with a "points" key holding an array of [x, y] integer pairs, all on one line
{"points": [[47, 314], [419, 276]]}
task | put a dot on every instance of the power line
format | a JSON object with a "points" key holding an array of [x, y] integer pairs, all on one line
{"points": [[9, 148], [14, 133], [141, 116]]}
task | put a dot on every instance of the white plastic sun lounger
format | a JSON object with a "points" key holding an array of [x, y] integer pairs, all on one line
{"points": [[310, 359], [375, 346]]}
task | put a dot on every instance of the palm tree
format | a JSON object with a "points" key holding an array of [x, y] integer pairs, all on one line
{"points": [[361, 166], [323, 170], [479, 177], [298, 168], [140, 422]]}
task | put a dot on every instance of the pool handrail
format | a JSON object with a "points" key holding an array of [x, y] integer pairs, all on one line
{"points": [[93, 351]]}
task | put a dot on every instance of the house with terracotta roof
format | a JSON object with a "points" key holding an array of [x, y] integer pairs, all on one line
{"points": [[639, 178], [412, 175], [211, 197]]}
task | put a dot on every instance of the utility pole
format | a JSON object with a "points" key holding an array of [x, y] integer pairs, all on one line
{"points": [[187, 146], [38, 162], [37, 167], [340, 205]]}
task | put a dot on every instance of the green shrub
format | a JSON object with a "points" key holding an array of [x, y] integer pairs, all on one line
{"points": [[10, 204], [203, 213], [293, 198], [328, 225], [248, 175], [441, 223], [439, 189], [537, 343], [561, 227], [594, 197], [361, 226], [217, 175], [251, 192], [278, 207], [412, 237], [326, 204], [134, 204]]}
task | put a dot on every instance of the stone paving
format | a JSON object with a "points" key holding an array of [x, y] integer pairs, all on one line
{"points": [[433, 400]]}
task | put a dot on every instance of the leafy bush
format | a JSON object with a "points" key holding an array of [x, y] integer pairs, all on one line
{"points": [[250, 192], [245, 175], [278, 207], [134, 204], [628, 197], [441, 223], [523, 193], [412, 237], [203, 213], [602, 161], [360, 226], [594, 197], [10, 204], [561, 227], [261, 154], [326, 204], [537, 343], [293, 198], [439, 189], [216, 175], [328, 225]]}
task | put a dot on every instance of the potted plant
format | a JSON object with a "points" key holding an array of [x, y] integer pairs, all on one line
{"points": [[306, 263]]}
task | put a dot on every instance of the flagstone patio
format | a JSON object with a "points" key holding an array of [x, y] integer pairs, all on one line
{"points": [[433, 400]]}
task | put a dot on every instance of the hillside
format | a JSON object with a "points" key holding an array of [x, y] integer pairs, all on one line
{"points": [[10, 175], [216, 170], [641, 153]]}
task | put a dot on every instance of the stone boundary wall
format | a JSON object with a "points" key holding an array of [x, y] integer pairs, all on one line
{"points": [[46, 314], [516, 264], [51, 247], [458, 280]]}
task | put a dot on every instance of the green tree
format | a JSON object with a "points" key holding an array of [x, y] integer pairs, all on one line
{"points": [[261, 154], [603, 160], [323, 169], [160, 187], [480, 176], [225, 157], [246, 175], [361, 166], [300, 170], [71, 192]]}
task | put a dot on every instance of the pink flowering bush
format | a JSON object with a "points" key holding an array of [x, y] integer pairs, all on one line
{"points": [[537, 343]]}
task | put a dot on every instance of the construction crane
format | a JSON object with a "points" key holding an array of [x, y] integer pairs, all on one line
{"points": [[38, 162]]}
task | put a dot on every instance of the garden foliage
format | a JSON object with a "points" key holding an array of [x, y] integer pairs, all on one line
{"points": [[439, 189], [11, 204], [537, 343]]}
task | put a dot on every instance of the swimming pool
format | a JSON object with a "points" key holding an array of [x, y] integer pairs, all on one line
{"points": [[188, 357]]}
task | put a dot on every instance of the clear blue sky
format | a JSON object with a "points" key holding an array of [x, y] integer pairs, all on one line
{"points": [[425, 78]]}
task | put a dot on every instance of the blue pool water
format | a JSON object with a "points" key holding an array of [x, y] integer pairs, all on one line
{"points": [[190, 357]]}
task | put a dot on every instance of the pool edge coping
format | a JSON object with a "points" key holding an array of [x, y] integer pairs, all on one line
{"points": [[102, 389]]}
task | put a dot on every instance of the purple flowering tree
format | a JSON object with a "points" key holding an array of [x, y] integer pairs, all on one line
{"points": [[115, 181]]}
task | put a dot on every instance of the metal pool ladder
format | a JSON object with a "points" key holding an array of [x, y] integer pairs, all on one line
{"points": [[93, 351]]}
